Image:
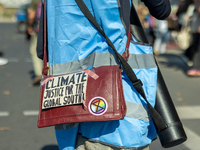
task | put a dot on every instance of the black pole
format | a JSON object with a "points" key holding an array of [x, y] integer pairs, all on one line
{"points": [[174, 134]]}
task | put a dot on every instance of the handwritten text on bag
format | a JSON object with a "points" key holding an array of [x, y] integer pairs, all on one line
{"points": [[65, 90]]}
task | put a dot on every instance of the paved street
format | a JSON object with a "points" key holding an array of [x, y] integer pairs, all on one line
{"points": [[19, 101]]}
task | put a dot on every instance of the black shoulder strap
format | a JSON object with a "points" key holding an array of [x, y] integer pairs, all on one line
{"points": [[158, 120]]}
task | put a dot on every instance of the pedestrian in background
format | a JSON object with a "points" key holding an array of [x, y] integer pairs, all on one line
{"points": [[186, 36], [184, 11], [148, 23], [193, 52], [73, 43], [162, 36], [33, 13]]}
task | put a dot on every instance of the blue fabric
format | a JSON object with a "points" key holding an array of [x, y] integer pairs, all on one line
{"points": [[83, 38], [120, 132], [71, 37], [140, 49], [66, 138]]}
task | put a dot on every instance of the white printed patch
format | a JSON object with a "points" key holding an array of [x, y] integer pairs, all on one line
{"points": [[65, 90]]}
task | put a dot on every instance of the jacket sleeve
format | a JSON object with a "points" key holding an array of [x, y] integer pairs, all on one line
{"points": [[160, 9]]}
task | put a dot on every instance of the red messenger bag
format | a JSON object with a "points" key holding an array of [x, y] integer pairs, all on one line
{"points": [[89, 95]]}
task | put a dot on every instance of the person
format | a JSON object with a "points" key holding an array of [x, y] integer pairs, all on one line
{"points": [[148, 23], [195, 70], [162, 35], [192, 53], [74, 44], [185, 10], [186, 17], [33, 16]]}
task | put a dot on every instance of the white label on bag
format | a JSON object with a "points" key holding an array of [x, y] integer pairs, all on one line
{"points": [[65, 90]]}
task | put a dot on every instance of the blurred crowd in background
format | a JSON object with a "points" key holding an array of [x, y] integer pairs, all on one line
{"points": [[182, 29]]}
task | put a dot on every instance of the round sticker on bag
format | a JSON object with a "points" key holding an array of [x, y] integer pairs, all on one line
{"points": [[97, 106]]}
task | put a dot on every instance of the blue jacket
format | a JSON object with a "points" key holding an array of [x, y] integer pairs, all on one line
{"points": [[74, 44]]}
